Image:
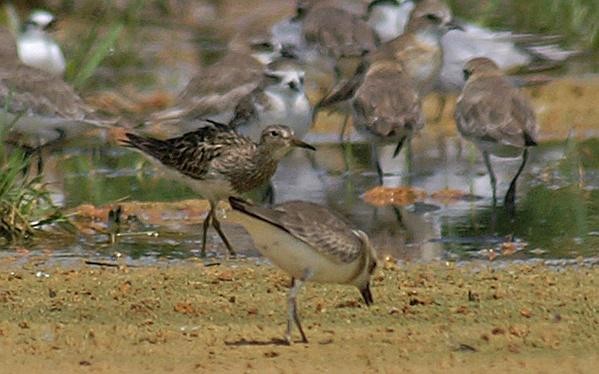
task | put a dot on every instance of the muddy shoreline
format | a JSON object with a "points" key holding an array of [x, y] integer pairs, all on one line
{"points": [[231, 317]]}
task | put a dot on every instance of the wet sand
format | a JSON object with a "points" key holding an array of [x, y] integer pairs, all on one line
{"points": [[231, 317]]}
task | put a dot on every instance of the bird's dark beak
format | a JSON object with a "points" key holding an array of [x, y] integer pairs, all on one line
{"points": [[289, 51], [367, 295], [294, 86], [298, 143], [51, 26], [454, 25]]}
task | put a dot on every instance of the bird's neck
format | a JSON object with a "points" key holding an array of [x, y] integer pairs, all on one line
{"points": [[254, 172], [428, 37]]}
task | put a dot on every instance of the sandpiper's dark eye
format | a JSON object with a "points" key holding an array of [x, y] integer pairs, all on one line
{"points": [[51, 25], [467, 74], [266, 46], [433, 17], [274, 133]]}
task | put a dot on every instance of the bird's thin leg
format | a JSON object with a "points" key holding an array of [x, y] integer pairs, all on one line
{"points": [[510, 196], [343, 129], [205, 230], [216, 225], [40, 161], [442, 101], [269, 194], [377, 163], [491, 176], [399, 146], [292, 316]]}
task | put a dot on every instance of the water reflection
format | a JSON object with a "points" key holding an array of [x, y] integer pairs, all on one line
{"points": [[557, 207]]}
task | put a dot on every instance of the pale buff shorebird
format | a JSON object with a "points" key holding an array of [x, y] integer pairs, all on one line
{"points": [[311, 244]]}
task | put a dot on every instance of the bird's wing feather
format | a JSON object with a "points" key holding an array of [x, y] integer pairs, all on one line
{"points": [[191, 153], [501, 114], [313, 224], [345, 90], [31, 90]]}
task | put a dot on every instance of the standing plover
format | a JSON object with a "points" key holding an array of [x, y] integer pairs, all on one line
{"points": [[280, 98], [510, 51], [419, 49], [39, 107], [385, 104], [337, 34], [497, 117], [215, 91], [392, 112], [217, 162], [36, 48], [310, 243], [386, 107]]}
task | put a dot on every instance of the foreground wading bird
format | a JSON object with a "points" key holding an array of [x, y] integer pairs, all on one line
{"points": [[310, 243], [218, 162], [497, 117]]}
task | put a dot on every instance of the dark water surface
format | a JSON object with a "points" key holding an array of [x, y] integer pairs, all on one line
{"points": [[558, 194], [557, 205]]}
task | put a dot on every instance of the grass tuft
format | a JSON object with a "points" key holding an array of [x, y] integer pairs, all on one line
{"points": [[25, 203]]}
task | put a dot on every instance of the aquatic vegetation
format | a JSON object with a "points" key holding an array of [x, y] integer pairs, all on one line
{"points": [[25, 203], [97, 48]]}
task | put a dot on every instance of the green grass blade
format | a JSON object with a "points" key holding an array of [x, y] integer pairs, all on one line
{"points": [[99, 53]]}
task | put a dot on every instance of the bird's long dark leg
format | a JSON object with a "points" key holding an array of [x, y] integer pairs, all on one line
{"points": [[343, 129], [40, 161], [292, 316], [510, 196], [270, 193], [398, 148], [216, 225], [205, 230], [377, 163], [491, 176]]}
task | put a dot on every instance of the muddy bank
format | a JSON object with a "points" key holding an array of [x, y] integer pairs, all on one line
{"points": [[231, 317]]}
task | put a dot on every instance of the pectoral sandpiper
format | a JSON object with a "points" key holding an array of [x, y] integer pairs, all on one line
{"points": [[217, 162]]}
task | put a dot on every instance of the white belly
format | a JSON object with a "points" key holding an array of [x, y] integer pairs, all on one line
{"points": [[294, 256], [388, 21], [41, 53], [210, 189]]}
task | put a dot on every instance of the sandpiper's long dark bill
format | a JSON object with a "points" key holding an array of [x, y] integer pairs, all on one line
{"points": [[217, 162], [310, 243]]}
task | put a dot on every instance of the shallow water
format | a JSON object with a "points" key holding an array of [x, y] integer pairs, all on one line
{"points": [[558, 199]]}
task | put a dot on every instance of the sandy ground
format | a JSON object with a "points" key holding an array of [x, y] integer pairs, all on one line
{"points": [[192, 318]]}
